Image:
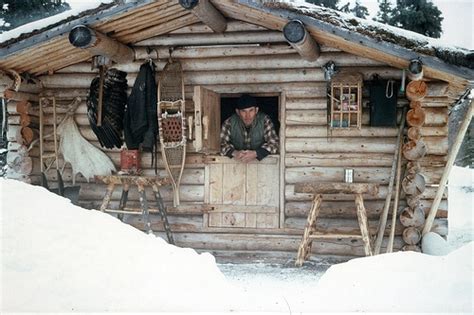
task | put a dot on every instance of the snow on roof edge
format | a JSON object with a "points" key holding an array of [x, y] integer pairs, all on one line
{"points": [[36, 27], [378, 31], [410, 40]]}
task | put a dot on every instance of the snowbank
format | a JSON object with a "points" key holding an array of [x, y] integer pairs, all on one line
{"points": [[401, 282], [461, 201], [57, 257]]}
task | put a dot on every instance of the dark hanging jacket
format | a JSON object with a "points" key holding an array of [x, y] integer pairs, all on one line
{"points": [[140, 121]]}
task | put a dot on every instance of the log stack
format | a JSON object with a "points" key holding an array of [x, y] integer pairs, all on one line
{"points": [[412, 217], [23, 127]]}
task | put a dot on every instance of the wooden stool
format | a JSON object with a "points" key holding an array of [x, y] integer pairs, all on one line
{"points": [[317, 189], [141, 182]]}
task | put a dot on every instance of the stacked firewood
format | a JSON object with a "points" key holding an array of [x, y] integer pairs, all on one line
{"points": [[23, 129], [413, 184]]}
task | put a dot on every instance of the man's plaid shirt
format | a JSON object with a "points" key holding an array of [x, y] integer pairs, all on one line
{"points": [[270, 145]]}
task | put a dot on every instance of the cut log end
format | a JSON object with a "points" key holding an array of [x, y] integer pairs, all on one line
{"points": [[297, 36], [414, 150], [414, 184], [414, 133], [412, 217], [416, 117], [411, 235], [416, 90]]}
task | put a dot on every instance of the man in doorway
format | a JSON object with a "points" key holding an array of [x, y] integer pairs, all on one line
{"points": [[248, 134]]}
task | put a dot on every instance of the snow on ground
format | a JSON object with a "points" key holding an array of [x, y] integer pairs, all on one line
{"points": [[57, 257], [298, 284]]}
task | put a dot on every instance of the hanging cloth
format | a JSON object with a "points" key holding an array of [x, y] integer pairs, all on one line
{"points": [[140, 120]]}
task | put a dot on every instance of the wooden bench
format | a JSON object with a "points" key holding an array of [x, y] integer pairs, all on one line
{"points": [[125, 181], [317, 189]]}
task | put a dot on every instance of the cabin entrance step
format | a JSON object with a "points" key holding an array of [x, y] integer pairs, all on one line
{"points": [[141, 182], [317, 189]]}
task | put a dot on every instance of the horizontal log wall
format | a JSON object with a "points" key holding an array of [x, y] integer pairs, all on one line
{"points": [[312, 151]]}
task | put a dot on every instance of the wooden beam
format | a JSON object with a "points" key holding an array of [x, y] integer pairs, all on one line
{"points": [[415, 70], [97, 43], [207, 13], [297, 36], [110, 11]]}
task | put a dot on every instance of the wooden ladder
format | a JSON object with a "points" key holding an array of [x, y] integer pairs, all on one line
{"points": [[125, 181], [317, 189]]}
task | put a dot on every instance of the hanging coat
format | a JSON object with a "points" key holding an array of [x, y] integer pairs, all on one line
{"points": [[140, 121]]}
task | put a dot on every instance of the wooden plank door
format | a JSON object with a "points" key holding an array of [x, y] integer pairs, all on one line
{"points": [[207, 120], [242, 195]]}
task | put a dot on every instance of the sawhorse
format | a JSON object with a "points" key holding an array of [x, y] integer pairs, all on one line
{"points": [[141, 182], [317, 189]]}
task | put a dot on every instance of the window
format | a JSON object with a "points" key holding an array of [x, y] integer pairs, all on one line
{"points": [[346, 101], [210, 111]]}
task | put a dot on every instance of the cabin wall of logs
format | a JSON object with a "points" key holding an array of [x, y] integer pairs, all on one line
{"points": [[23, 126], [252, 59]]}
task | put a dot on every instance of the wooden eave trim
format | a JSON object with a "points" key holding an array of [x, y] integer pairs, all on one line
{"points": [[65, 28], [358, 44]]}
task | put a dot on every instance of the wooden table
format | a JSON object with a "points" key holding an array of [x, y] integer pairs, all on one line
{"points": [[317, 189], [141, 182]]}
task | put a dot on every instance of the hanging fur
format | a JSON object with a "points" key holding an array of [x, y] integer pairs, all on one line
{"points": [[83, 156], [114, 100]]}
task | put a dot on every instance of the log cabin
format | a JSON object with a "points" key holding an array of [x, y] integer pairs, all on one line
{"points": [[337, 88]]}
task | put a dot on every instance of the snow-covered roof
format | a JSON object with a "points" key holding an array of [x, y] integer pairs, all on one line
{"points": [[38, 26], [381, 32], [386, 43]]}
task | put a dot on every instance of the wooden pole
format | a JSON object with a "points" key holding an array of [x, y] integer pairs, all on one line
{"points": [[384, 215], [101, 96], [207, 13], [299, 38], [395, 201], [449, 164], [97, 43], [415, 70]]}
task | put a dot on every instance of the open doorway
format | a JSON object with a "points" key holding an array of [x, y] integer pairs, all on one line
{"points": [[242, 195], [266, 104]]}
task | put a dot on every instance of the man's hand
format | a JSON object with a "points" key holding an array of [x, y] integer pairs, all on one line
{"points": [[245, 156]]}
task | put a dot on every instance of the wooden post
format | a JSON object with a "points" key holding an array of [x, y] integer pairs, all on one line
{"points": [[101, 96], [108, 195], [449, 164], [207, 13], [96, 43], [305, 246], [384, 215], [364, 226], [144, 207], [299, 38], [395, 201]]}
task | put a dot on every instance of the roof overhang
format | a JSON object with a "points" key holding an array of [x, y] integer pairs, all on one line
{"points": [[362, 45]]}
